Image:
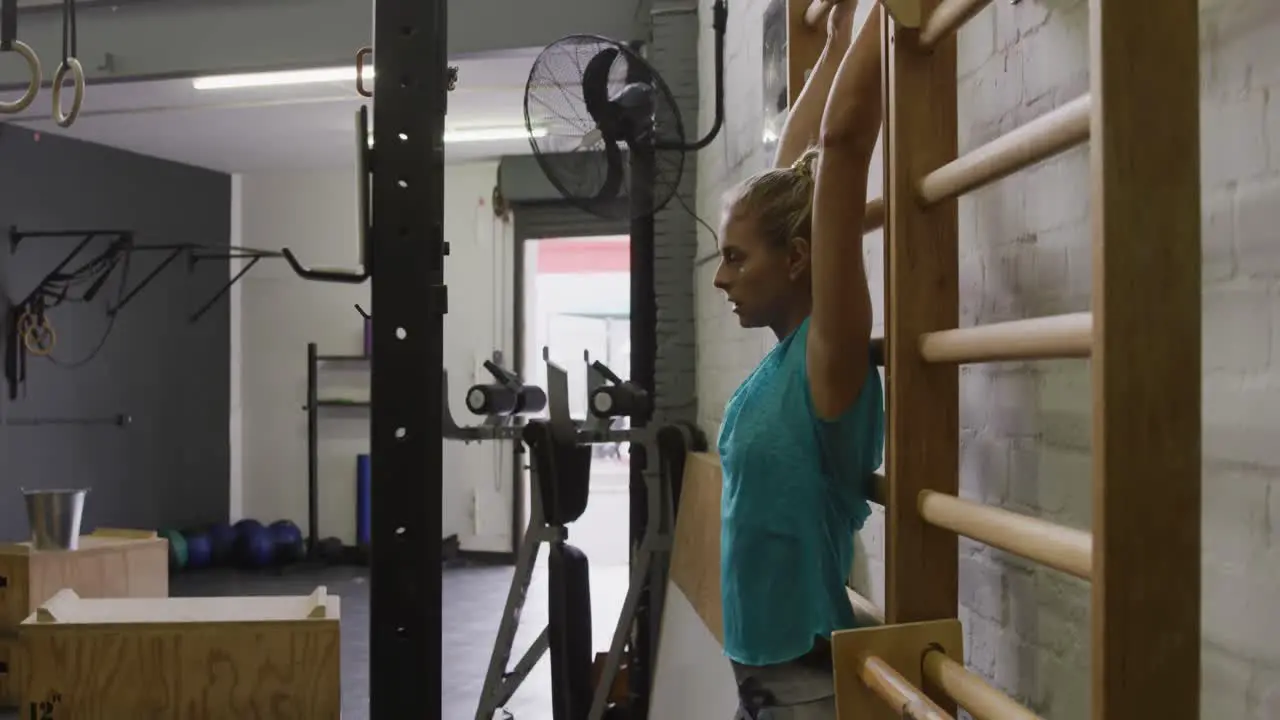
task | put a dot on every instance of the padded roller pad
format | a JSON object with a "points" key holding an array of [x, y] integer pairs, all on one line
{"points": [[564, 473], [569, 631]]}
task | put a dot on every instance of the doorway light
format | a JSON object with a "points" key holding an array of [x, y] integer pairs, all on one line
{"points": [[278, 78]]}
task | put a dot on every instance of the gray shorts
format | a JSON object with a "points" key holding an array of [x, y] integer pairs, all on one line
{"points": [[803, 689]]}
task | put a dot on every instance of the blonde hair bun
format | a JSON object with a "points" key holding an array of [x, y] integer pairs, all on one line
{"points": [[803, 165]]}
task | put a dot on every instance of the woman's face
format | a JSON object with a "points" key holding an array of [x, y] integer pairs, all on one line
{"points": [[757, 277]]}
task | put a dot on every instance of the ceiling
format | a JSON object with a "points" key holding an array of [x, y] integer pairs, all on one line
{"points": [[282, 128]]}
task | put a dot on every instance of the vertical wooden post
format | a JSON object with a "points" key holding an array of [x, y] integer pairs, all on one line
{"points": [[804, 45], [922, 452], [1146, 360]]}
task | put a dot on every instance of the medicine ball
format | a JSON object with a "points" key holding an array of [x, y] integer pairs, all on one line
{"points": [[177, 549], [256, 548], [332, 550], [290, 546], [199, 550], [222, 536]]}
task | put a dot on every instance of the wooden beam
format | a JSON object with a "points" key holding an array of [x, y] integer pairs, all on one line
{"points": [[922, 452], [1146, 359]]}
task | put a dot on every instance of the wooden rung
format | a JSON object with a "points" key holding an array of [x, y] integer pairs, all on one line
{"points": [[878, 670], [1059, 547], [817, 11], [908, 700], [947, 18], [970, 691], [873, 216], [1046, 338], [1044, 137]]}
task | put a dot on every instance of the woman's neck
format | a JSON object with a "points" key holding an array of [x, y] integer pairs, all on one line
{"points": [[791, 319]]}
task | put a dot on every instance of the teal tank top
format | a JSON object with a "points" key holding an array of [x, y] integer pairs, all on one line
{"points": [[795, 493]]}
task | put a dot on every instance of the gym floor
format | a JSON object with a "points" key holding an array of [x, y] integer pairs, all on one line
{"points": [[473, 599]]}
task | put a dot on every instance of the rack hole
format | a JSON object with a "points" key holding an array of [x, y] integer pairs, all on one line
{"points": [[406, 30], [401, 333], [403, 137], [405, 81], [400, 433], [402, 183], [400, 530]]}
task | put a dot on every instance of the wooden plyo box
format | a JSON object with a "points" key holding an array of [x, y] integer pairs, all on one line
{"points": [[107, 563], [183, 658]]}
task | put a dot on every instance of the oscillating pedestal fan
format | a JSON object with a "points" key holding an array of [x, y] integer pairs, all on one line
{"points": [[604, 126]]}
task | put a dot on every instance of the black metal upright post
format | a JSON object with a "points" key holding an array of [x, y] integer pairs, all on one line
{"points": [[313, 451], [407, 260], [644, 350]]}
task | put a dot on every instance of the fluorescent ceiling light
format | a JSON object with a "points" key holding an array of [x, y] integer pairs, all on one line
{"points": [[492, 134], [283, 77]]}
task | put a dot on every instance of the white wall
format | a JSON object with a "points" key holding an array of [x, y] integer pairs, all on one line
{"points": [[278, 314], [1025, 428]]}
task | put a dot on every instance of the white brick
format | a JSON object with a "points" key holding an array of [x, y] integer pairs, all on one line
{"points": [[1235, 147], [1225, 682], [1237, 327], [1218, 236], [1238, 608], [1240, 420], [976, 43], [1235, 516], [1257, 227], [982, 588], [1057, 191], [1056, 56]]}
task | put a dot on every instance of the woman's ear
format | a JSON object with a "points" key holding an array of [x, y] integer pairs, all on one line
{"points": [[798, 257]]}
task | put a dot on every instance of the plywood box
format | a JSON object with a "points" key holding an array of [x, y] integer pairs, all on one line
{"points": [[183, 658], [108, 563]]}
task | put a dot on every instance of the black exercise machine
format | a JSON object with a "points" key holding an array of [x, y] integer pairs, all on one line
{"points": [[560, 450]]}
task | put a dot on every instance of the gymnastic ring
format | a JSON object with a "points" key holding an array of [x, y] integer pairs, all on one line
{"points": [[33, 85], [73, 66], [40, 338]]}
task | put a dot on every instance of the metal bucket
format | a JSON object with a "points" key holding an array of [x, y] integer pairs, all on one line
{"points": [[54, 516]]}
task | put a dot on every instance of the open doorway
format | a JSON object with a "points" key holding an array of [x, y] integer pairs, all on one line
{"points": [[575, 298]]}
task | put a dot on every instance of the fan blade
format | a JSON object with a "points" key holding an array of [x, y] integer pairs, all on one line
{"points": [[617, 172], [595, 83]]}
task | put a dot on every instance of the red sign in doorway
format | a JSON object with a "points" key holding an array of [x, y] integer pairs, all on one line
{"points": [[572, 257]]}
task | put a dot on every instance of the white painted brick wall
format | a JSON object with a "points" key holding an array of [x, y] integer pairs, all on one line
{"points": [[1026, 426]]}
